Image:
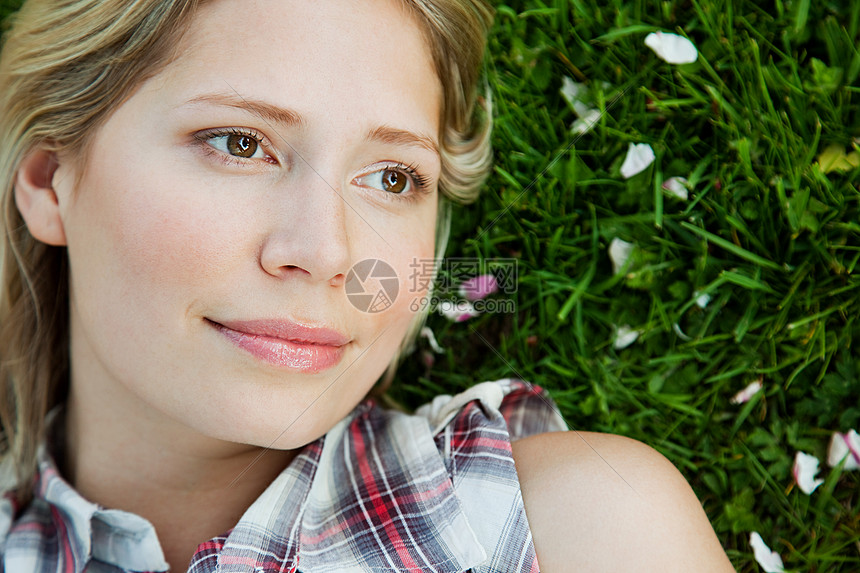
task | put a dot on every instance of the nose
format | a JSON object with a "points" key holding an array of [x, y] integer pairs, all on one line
{"points": [[309, 235]]}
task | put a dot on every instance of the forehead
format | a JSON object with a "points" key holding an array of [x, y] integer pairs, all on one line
{"points": [[353, 61]]}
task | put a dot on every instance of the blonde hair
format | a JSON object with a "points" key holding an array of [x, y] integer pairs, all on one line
{"points": [[456, 31], [65, 66]]}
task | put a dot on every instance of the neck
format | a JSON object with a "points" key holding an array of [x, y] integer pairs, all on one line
{"points": [[191, 487]]}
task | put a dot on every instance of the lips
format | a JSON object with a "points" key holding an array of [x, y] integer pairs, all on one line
{"points": [[286, 344]]}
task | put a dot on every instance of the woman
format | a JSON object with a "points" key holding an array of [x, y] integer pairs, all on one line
{"points": [[188, 186]]}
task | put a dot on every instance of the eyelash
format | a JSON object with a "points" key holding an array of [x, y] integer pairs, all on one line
{"points": [[420, 183], [205, 137]]}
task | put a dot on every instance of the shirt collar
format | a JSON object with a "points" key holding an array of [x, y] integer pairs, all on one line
{"points": [[374, 495], [87, 530], [266, 537]]}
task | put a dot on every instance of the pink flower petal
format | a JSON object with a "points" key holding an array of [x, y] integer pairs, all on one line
{"points": [[479, 287], [844, 446], [677, 187], [804, 470], [769, 560], [458, 311], [427, 359], [747, 393]]}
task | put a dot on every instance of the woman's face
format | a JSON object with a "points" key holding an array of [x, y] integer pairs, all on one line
{"points": [[228, 198]]}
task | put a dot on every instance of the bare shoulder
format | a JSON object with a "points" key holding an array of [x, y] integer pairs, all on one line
{"points": [[598, 502]]}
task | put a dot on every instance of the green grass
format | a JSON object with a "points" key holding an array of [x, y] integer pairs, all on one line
{"points": [[770, 236]]}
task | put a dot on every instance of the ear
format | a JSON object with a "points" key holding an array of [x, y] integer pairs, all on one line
{"points": [[36, 198]]}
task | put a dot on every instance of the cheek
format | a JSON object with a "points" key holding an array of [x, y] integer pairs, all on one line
{"points": [[410, 248], [413, 261], [172, 244], [134, 240]]}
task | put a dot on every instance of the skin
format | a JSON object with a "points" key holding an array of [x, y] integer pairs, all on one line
{"points": [[167, 231], [604, 503], [163, 236]]}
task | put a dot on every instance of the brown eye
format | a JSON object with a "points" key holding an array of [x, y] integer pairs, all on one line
{"points": [[394, 181], [241, 145]]}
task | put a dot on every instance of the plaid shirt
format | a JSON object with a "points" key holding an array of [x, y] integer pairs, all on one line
{"points": [[382, 491]]}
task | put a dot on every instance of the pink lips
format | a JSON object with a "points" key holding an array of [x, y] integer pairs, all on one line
{"points": [[286, 344]]}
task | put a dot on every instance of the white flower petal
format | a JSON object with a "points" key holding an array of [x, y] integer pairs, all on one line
{"points": [[703, 300], [575, 93], [769, 560], [458, 311], [431, 338], [744, 395], [588, 120], [639, 157], [676, 187], [624, 336], [805, 469], [677, 328], [672, 48], [842, 445], [619, 252], [578, 96]]}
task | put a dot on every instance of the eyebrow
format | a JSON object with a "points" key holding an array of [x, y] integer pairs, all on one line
{"points": [[263, 109], [290, 118], [394, 136]]}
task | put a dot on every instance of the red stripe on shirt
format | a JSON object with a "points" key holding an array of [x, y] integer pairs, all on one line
{"points": [[381, 508]]}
